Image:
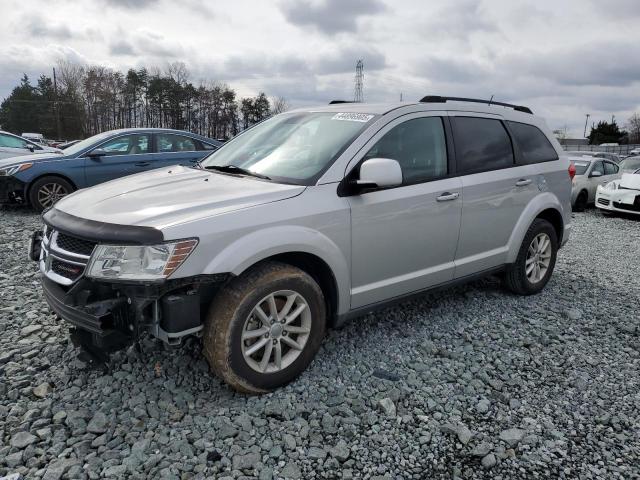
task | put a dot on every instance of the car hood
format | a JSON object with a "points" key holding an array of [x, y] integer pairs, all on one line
{"points": [[630, 181], [34, 157], [169, 196]]}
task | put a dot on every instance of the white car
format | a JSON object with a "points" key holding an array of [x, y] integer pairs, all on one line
{"points": [[591, 172], [630, 164], [620, 195], [13, 146]]}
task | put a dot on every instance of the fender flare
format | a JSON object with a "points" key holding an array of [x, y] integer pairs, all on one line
{"points": [[256, 246], [542, 202]]}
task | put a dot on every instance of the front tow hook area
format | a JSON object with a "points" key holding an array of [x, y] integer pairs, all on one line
{"points": [[35, 244]]}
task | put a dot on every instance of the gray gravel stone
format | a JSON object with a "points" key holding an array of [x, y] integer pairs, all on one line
{"points": [[23, 439], [388, 407], [512, 436]]}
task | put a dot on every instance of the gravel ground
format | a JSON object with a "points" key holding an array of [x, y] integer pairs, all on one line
{"points": [[469, 383]]}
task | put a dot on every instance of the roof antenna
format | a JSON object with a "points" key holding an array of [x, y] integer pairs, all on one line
{"points": [[490, 100]]}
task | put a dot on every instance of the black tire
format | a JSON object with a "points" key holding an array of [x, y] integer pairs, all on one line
{"points": [[581, 202], [53, 184], [231, 308], [515, 277]]}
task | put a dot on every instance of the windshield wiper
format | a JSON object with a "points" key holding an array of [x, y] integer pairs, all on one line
{"points": [[235, 169]]}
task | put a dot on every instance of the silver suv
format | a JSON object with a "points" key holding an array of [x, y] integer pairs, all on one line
{"points": [[306, 220]]}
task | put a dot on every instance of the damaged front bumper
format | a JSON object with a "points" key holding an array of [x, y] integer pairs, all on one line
{"points": [[113, 315], [12, 190], [110, 315]]}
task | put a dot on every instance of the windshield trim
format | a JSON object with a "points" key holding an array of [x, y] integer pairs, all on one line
{"points": [[297, 181]]}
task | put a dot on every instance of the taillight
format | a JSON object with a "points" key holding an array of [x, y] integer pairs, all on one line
{"points": [[572, 170]]}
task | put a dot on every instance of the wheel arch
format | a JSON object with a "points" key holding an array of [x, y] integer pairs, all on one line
{"points": [[544, 206], [307, 249], [29, 185]]}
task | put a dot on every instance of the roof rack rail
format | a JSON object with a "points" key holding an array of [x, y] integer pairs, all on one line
{"points": [[438, 99], [335, 102]]}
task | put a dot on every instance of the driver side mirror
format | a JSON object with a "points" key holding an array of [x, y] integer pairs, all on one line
{"points": [[98, 152], [596, 174], [28, 146], [379, 172]]}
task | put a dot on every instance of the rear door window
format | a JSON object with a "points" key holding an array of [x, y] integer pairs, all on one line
{"points": [[175, 143], [533, 144], [482, 144]]}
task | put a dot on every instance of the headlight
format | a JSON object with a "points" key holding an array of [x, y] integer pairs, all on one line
{"points": [[611, 186], [139, 262], [12, 170]]}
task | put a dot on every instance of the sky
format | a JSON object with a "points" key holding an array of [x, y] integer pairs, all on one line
{"points": [[563, 59]]}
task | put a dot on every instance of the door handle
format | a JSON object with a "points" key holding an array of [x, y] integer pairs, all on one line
{"points": [[523, 182], [446, 196], [142, 164]]}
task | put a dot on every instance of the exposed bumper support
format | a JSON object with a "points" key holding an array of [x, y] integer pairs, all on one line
{"points": [[113, 315]]}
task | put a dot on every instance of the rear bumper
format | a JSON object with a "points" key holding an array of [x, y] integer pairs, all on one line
{"points": [[12, 190]]}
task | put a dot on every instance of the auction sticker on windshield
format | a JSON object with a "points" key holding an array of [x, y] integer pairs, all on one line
{"points": [[353, 117]]}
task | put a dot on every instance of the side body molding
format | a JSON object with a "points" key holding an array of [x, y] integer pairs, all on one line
{"points": [[265, 243]]}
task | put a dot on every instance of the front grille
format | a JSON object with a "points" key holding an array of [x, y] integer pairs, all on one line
{"points": [[603, 201], [625, 206], [64, 257], [74, 245], [67, 270]]}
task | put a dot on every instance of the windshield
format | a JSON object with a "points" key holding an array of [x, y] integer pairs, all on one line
{"points": [[581, 167], [292, 147], [630, 163], [86, 143]]}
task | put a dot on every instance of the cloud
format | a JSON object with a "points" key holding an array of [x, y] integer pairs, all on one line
{"points": [[459, 21], [330, 16], [37, 26], [143, 42], [131, 4], [16, 60]]}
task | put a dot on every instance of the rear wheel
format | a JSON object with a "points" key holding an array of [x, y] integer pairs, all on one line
{"points": [[265, 327], [581, 202], [46, 191], [535, 261]]}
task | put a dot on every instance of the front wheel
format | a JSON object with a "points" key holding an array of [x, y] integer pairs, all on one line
{"points": [[265, 327], [535, 261], [46, 191]]}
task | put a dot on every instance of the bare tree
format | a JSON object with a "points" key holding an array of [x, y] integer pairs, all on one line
{"points": [[178, 72], [279, 105], [633, 127]]}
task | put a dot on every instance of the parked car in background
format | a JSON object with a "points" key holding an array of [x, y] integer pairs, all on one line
{"points": [[590, 172], [14, 146], [620, 196], [305, 220], [65, 145], [635, 151], [41, 180], [630, 164], [609, 156], [35, 137]]}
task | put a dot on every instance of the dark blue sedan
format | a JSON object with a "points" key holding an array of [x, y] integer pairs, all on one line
{"points": [[41, 180]]}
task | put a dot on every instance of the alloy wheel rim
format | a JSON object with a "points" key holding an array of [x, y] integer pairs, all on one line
{"points": [[276, 331], [538, 258], [50, 193]]}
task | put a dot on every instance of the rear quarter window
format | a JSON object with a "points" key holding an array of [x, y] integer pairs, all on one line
{"points": [[533, 144], [482, 144]]}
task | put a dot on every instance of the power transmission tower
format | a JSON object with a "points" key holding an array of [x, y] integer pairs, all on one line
{"points": [[358, 95]]}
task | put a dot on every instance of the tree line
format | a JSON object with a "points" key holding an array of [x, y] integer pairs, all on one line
{"points": [[83, 101]]}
